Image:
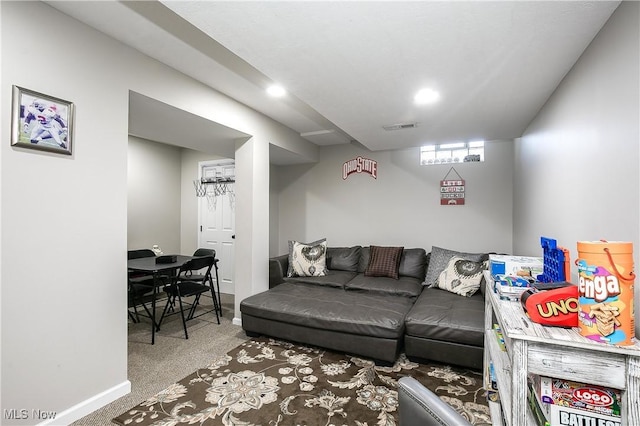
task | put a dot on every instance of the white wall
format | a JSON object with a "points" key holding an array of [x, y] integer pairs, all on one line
{"points": [[162, 206], [64, 222], [576, 169], [274, 212], [153, 202], [252, 218], [400, 207], [64, 219]]}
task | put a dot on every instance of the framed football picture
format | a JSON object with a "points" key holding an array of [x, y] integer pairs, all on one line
{"points": [[41, 122]]}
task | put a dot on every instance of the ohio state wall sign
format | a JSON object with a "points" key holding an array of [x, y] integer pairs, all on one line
{"points": [[360, 165]]}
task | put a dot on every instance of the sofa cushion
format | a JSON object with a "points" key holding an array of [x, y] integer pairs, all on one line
{"points": [[462, 276], [440, 259], [384, 262], [307, 259], [413, 263], [343, 258], [403, 286], [367, 314], [365, 255], [331, 279], [441, 315]]}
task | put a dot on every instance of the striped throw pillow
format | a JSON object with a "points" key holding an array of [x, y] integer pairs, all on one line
{"points": [[384, 262]]}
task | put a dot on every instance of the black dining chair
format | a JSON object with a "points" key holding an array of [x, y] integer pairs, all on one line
{"points": [[211, 252], [140, 253], [139, 286], [187, 284], [137, 295]]}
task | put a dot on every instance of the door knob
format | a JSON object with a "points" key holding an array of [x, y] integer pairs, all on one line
{"points": [[233, 237]]}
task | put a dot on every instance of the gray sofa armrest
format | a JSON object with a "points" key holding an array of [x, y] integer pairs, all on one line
{"points": [[418, 406], [278, 269]]}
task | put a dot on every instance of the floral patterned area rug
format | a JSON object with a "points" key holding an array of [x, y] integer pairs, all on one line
{"points": [[270, 382]]}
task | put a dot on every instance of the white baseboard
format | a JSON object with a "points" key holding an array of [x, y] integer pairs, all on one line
{"points": [[90, 405], [227, 288], [236, 321]]}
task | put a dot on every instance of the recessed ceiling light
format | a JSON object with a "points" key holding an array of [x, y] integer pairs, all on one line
{"points": [[426, 96], [276, 91]]}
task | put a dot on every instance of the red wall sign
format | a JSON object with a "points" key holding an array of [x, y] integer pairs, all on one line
{"points": [[360, 165], [452, 192]]}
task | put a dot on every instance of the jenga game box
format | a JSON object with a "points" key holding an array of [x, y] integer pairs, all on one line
{"points": [[606, 282], [597, 400]]}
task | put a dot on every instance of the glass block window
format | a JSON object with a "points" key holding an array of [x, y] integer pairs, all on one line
{"points": [[450, 153]]}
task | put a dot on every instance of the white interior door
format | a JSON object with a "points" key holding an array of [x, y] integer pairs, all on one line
{"points": [[217, 222]]}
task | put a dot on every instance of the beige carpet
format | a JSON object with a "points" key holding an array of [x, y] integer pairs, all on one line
{"points": [[153, 368]]}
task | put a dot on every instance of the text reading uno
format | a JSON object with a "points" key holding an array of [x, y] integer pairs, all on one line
{"points": [[600, 288], [593, 396], [561, 307]]}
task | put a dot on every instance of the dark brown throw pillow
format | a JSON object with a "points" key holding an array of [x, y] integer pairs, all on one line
{"points": [[384, 262]]}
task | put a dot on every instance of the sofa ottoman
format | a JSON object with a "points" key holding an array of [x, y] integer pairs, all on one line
{"points": [[366, 323], [446, 327]]}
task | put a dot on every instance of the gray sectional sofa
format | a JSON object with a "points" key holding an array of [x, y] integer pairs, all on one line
{"points": [[371, 316]]}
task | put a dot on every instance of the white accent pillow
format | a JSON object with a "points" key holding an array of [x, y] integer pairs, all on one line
{"points": [[462, 276], [439, 259], [307, 260]]}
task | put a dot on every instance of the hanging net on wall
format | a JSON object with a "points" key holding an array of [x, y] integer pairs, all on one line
{"points": [[232, 200], [201, 189], [211, 188], [212, 199]]}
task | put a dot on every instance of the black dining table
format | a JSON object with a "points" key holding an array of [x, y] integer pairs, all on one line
{"points": [[149, 265]]}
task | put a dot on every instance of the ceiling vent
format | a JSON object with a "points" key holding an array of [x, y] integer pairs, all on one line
{"points": [[400, 126]]}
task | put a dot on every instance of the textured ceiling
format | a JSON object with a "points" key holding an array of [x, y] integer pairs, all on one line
{"points": [[360, 63], [353, 67]]}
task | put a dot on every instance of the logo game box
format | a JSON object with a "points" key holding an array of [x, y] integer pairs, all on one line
{"points": [[596, 400]]}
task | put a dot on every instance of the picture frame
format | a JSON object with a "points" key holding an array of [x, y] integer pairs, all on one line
{"points": [[41, 122]]}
